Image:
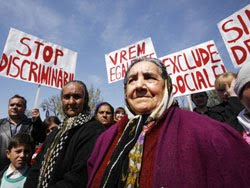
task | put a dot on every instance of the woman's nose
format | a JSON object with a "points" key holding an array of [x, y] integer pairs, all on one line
{"points": [[140, 83]]}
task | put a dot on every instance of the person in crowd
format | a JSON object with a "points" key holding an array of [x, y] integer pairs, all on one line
{"points": [[228, 110], [104, 113], [119, 113], [50, 123], [160, 145], [200, 100], [242, 89], [61, 163], [18, 122], [19, 153]]}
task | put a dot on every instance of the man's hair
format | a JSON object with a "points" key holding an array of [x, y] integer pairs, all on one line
{"points": [[86, 107], [21, 139], [19, 97]]}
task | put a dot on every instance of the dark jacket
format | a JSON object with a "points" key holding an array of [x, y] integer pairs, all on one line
{"points": [[227, 112], [70, 169], [35, 129]]}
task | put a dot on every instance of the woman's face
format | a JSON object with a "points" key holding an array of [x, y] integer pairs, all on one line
{"points": [[145, 87], [119, 115]]}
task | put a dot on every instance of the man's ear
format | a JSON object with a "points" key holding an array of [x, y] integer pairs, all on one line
{"points": [[8, 153]]}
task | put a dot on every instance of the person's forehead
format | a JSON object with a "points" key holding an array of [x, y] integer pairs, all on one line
{"points": [[16, 100], [73, 88], [104, 108], [144, 66], [21, 147]]}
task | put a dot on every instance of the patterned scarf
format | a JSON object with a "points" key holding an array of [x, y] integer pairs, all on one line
{"points": [[57, 145], [127, 157]]}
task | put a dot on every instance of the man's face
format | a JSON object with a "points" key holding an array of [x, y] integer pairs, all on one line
{"points": [[16, 108], [72, 99], [19, 156]]}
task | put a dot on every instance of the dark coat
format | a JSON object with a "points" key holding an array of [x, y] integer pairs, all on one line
{"points": [[35, 129], [227, 112], [70, 169]]}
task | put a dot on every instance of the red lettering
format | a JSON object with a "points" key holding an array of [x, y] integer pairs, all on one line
{"points": [[17, 67], [247, 44], [198, 59], [141, 49], [200, 80], [244, 26], [189, 67], [113, 60], [186, 82], [175, 68], [131, 52], [239, 60], [111, 73], [28, 48], [23, 63], [122, 55], [38, 48], [238, 30], [204, 55], [209, 47], [32, 73], [180, 84], [4, 62], [47, 53], [118, 75], [58, 53], [178, 60]]}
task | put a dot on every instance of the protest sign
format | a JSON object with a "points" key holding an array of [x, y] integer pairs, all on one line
{"points": [[194, 69], [235, 31], [30, 59], [117, 62]]}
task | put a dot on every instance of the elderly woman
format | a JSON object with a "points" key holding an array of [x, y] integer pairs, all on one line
{"points": [[159, 145]]}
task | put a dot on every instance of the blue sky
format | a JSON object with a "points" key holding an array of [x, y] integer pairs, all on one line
{"points": [[96, 27]]}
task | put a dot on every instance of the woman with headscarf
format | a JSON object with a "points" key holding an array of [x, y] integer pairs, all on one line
{"points": [[104, 113], [160, 145]]}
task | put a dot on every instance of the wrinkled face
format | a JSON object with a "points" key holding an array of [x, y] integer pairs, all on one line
{"points": [[145, 87], [245, 98], [19, 156], [200, 99], [119, 115], [16, 108], [72, 99], [104, 115]]}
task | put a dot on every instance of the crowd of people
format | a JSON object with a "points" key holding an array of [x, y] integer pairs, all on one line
{"points": [[150, 142]]}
